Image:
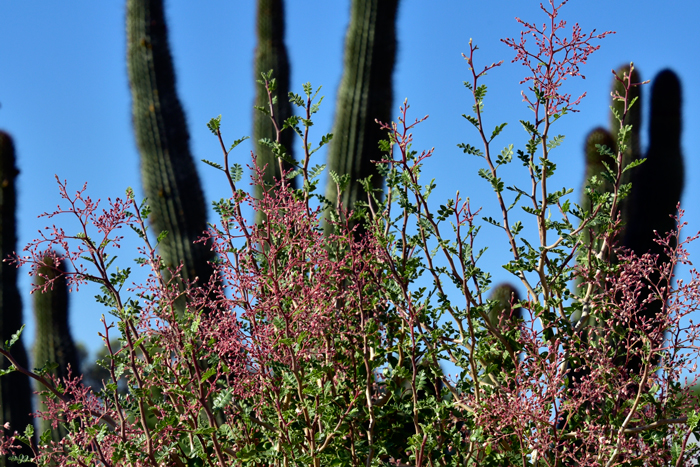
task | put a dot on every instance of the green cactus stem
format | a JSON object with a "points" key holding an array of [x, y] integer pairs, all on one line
{"points": [[595, 167], [658, 183], [657, 186], [271, 55], [503, 317], [365, 95], [53, 344], [15, 389], [595, 161], [168, 172]]}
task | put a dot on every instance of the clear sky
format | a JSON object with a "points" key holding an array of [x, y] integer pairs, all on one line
{"points": [[65, 99]]}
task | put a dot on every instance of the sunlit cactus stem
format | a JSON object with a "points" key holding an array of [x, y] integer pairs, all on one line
{"points": [[596, 180], [15, 390], [168, 172], [503, 317], [365, 95], [53, 345], [271, 55]]}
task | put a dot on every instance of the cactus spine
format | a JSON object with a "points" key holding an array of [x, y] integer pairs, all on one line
{"points": [[169, 177], [365, 95], [271, 55], [53, 343], [15, 390]]}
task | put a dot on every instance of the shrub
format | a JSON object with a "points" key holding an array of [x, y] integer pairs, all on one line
{"points": [[313, 349]]}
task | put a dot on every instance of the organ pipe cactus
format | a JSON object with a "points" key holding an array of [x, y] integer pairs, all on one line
{"points": [[595, 160], [365, 95], [501, 316], [169, 177], [271, 55], [53, 343], [15, 390], [657, 184]]}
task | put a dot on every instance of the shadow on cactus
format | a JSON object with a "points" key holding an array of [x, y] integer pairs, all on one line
{"points": [[15, 390]]}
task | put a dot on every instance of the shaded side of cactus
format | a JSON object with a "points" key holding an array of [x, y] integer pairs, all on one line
{"points": [[54, 343], [168, 172], [657, 184], [365, 95], [271, 55], [15, 390]]}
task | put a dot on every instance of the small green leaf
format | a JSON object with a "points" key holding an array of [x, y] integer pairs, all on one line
{"points": [[214, 124], [223, 399], [236, 172], [213, 164], [14, 338], [469, 149], [237, 142], [195, 324], [208, 374], [161, 236], [497, 130], [471, 120], [693, 419]]}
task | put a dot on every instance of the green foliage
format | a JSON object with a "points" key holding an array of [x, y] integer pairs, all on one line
{"points": [[327, 350], [15, 390]]}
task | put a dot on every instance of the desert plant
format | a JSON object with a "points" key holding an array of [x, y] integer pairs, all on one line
{"points": [[365, 96], [316, 345], [656, 186], [171, 184], [54, 349], [15, 390], [271, 144]]}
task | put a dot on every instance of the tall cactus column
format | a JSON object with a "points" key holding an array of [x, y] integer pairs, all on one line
{"points": [[271, 54], [595, 161], [658, 184], [15, 390], [53, 343], [168, 172], [365, 95]]}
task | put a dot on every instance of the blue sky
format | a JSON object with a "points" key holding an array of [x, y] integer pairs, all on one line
{"points": [[65, 99]]}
